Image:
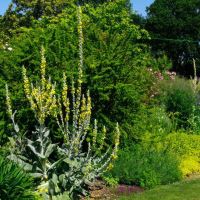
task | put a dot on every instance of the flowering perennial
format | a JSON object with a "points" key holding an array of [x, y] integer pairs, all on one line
{"points": [[72, 112]]}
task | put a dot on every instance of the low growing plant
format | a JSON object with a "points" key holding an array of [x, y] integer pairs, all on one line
{"points": [[72, 165], [110, 180], [15, 184]]}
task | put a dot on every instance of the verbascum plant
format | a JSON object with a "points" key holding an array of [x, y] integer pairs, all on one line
{"points": [[70, 168]]}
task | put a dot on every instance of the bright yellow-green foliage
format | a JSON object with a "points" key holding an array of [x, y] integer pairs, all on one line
{"points": [[187, 149], [190, 165], [183, 144]]}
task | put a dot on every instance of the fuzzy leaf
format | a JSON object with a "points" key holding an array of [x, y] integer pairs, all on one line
{"points": [[33, 149], [16, 127], [37, 175], [50, 149], [55, 164]]}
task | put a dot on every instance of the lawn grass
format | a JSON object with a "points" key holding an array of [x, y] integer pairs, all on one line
{"points": [[186, 190]]}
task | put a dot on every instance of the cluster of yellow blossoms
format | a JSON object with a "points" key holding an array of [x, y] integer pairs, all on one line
{"points": [[42, 97]]}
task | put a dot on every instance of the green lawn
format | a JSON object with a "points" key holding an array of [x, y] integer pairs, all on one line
{"points": [[187, 190]]}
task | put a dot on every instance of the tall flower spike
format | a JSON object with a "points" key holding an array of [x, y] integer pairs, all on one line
{"points": [[195, 80], [117, 135], [26, 83], [83, 112], [80, 65], [65, 98], [94, 134], [89, 104], [102, 139], [43, 67], [80, 32], [8, 102], [76, 93]]}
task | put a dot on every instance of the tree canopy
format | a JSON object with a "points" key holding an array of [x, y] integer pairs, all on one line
{"points": [[175, 28], [23, 13]]}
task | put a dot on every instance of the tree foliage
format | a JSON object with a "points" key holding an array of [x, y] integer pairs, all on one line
{"points": [[23, 13], [175, 29]]}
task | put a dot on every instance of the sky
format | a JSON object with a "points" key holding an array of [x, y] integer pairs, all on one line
{"points": [[4, 5], [138, 5]]}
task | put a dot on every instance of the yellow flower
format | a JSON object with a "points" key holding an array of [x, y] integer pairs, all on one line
{"points": [[110, 166]]}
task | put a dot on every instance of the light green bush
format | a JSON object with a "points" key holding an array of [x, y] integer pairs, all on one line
{"points": [[187, 148], [182, 144]]}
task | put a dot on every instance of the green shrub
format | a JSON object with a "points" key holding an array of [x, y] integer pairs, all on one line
{"points": [[15, 184], [178, 97], [146, 167], [151, 123]]}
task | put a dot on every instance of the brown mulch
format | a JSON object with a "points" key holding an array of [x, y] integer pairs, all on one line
{"points": [[99, 191], [127, 189]]}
